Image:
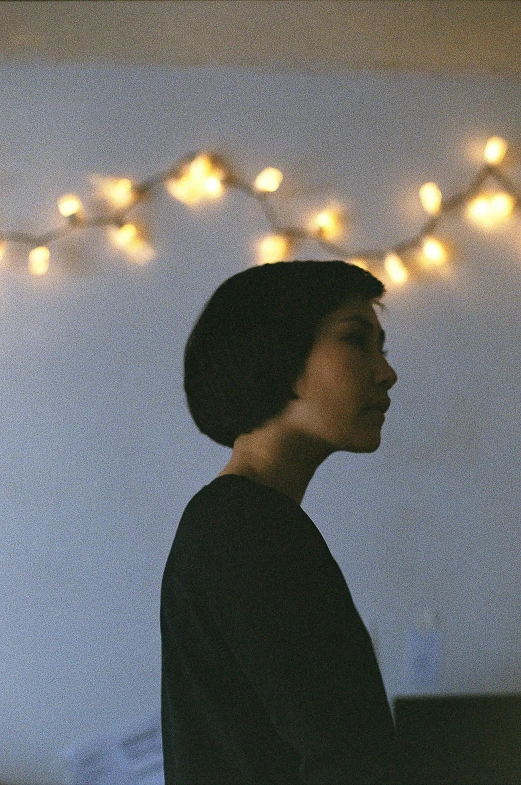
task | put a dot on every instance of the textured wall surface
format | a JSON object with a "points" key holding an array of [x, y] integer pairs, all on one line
{"points": [[98, 455]]}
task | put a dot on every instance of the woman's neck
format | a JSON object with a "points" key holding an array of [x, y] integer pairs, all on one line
{"points": [[284, 464]]}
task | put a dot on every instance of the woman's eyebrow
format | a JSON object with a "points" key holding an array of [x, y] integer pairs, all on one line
{"points": [[367, 325]]}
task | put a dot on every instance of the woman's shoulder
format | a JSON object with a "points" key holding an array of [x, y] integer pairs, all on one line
{"points": [[237, 488], [234, 526], [234, 508]]}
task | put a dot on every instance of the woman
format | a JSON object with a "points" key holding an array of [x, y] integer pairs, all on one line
{"points": [[269, 675]]}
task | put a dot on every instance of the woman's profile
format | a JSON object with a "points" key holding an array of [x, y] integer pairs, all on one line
{"points": [[268, 673]]}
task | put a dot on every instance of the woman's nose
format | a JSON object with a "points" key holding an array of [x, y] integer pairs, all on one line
{"points": [[387, 375]]}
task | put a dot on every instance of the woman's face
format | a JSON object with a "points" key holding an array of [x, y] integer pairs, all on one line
{"points": [[343, 390]]}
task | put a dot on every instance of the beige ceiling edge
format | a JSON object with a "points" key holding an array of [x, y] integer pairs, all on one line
{"points": [[437, 36]]}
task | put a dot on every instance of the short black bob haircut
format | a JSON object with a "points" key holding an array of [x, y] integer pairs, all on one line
{"points": [[252, 339]]}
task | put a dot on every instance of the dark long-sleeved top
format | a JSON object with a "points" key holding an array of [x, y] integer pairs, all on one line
{"points": [[268, 673]]}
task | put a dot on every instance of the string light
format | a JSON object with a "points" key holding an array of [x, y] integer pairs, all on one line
{"points": [[495, 150], [274, 248], [132, 239], [488, 210], [502, 205], [70, 206], [359, 262], [204, 175], [431, 199], [479, 209], [39, 260], [395, 269], [434, 252], [118, 192], [268, 181], [328, 224], [198, 179]]}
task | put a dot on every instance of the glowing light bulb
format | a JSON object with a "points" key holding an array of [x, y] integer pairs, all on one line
{"points": [[69, 206], [431, 199], [495, 150], [502, 205], [132, 240], [201, 178], [327, 224], [125, 235], [273, 248], [39, 260], [359, 262], [268, 181], [395, 268], [487, 210], [118, 192], [3, 246], [434, 252], [479, 209]]}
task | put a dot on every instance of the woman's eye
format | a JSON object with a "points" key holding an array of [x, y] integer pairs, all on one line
{"points": [[363, 342], [359, 340]]}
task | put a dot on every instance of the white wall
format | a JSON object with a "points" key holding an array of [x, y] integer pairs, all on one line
{"points": [[98, 455]]}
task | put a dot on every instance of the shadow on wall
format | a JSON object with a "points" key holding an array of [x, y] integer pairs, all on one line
{"points": [[131, 757]]}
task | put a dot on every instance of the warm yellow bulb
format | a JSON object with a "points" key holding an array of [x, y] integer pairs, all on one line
{"points": [[395, 268], [3, 246], [69, 205], [182, 190], [502, 205], [125, 235], [479, 209], [434, 252], [273, 248], [39, 260], [495, 150], [487, 210], [327, 224], [268, 181], [118, 192], [359, 262], [199, 179], [213, 186], [131, 239], [430, 197]]}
